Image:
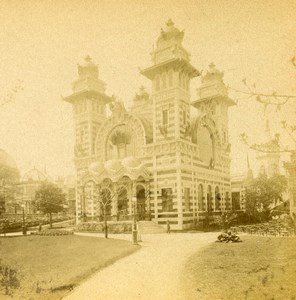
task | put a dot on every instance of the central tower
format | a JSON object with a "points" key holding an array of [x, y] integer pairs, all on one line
{"points": [[170, 74]]}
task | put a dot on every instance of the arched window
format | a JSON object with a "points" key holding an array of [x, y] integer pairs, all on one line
{"points": [[206, 145], [200, 198], [105, 204], [122, 203]]}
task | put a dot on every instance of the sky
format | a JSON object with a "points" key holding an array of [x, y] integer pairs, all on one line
{"points": [[41, 43]]}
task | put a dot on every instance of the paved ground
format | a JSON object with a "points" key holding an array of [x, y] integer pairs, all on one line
{"points": [[153, 272]]}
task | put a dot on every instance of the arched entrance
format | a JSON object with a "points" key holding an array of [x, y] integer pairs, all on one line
{"points": [[122, 203], [105, 203], [141, 202]]}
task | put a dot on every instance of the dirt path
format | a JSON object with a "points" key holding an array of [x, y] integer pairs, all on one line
{"points": [[153, 272]]}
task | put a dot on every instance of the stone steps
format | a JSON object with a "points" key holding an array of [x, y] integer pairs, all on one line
{"points": [[149, 227]]}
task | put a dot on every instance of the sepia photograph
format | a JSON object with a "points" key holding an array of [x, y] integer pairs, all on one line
{"points": [[148, 150]]}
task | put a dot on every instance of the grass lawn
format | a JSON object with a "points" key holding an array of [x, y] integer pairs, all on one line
{"points": [[57, 263], [258, 268]]}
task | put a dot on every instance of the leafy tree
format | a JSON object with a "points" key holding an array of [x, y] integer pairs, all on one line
{"points": [[50, 199], [261, 193], [2, 203], [224, 220]]}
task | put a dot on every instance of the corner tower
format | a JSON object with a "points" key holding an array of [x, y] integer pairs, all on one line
{"points": [[170, 74], [213, 103], [89, 106]]}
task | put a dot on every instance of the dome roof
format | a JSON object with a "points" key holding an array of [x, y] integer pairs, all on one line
{"points": [[7, 161], [115, 169], [131, 162], [35, 175], [96, 168], [170, 32], [113, 165]]}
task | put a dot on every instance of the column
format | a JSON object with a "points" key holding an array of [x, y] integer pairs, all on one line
{"points": [[147, 201]]}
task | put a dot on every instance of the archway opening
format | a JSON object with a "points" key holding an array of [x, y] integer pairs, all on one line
{"points": [[122, 203], [105, 203], [141, 202]]}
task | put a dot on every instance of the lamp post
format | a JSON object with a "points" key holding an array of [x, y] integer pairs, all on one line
{"points": [[24, 229], [134, 230]]}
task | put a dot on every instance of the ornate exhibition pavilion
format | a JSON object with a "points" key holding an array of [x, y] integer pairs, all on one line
{"points": [[165, 158]]}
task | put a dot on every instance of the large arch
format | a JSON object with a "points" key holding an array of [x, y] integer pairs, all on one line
{"points": [[206, 136], [130, 125]]}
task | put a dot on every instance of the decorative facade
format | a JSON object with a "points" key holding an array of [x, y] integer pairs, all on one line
{"points": [[167, 157]]}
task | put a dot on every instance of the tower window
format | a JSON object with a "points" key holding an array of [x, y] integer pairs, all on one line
{"points": [[165, 117], [167, 201]]}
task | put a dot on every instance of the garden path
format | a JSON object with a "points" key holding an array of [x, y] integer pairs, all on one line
{"points": [[153, 272]]}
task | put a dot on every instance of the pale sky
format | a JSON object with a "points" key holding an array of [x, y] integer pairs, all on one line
{"points": [[41, 43]]}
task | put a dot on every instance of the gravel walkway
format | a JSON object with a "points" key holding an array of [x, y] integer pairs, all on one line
{"points": [[153, 272]]}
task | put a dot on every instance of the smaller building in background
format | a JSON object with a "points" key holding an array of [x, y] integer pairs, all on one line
{"points": [[34, 179], [67, 185], [239, 183], [28, 186], [9, 177]]}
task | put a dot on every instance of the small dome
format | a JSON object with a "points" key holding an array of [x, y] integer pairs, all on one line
{"points": [[88, 68], [96, 168], [35, 175], [113, 165], [170, 32], [213, 74], [131, 162]]}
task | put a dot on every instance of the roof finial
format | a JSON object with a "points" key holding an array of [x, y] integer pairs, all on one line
{"points": [[170, 22], [87, 58], [212, 65]]}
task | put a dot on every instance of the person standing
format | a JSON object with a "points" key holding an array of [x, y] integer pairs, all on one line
{"points": [[168, 227]]}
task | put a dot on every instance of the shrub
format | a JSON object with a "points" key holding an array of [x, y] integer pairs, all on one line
{"points": [[9, 280], [119, 227], [52, 232]]}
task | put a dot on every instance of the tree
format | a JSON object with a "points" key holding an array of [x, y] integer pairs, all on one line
{"points": [[50, 199], [103, 196], [261, 193], [2, 203]]}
